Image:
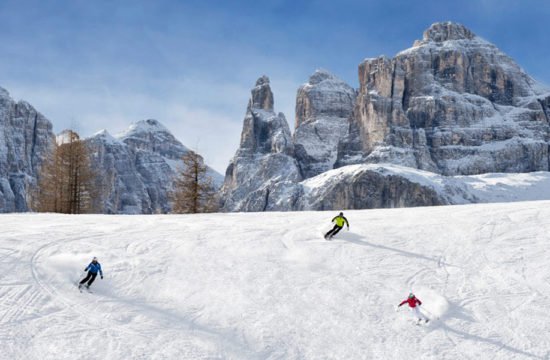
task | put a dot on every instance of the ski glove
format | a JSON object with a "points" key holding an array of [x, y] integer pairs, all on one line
{"points": [[101, 277]]}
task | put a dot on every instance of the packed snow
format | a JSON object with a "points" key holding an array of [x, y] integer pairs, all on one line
{"points": [[268, 286]]}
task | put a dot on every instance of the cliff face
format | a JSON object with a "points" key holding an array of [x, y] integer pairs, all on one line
{"points": [[323, 108], [26, 137], [264, 166], [451, 104]]}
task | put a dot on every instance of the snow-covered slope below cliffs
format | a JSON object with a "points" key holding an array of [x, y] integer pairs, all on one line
{"points": [[387, 186], [26, 137], [267, 286], [381, 186], [501, 187]]}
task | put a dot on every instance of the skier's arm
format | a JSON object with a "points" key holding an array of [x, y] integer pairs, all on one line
{"points": [[87, 267], [334, 219], [403, 302], [100, 271], [418, 302], [346, 220]]}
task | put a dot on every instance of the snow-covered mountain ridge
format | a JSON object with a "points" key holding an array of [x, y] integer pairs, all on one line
{"points": [[268, 286], [138, 165], [453, 104]]}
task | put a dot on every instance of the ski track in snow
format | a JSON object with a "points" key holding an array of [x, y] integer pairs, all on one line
{"points": [[268, 286]]}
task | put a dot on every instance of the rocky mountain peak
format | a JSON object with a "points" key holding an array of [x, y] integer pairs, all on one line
{"points": [[105, 136], [262, 97], [4, 93], [323, 106], [321, 75], [262, 80], [145, 126], [324, 95], [151, 135], [443, 31], [264, 163]]}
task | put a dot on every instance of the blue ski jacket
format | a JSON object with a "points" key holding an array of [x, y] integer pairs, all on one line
{"points": [[94, 268]]}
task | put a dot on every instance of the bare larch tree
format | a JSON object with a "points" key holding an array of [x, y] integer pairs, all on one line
{"points": [[66, 180], [194, 191]]}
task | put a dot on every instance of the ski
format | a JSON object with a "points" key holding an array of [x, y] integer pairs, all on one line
{"points": [[87, 289]]}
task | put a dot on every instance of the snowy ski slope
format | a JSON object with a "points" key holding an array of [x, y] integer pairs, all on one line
{"points": [[267, 286]]}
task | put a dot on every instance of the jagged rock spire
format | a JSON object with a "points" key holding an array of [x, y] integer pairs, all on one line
{"points": [[263, 166], [262, 97]]}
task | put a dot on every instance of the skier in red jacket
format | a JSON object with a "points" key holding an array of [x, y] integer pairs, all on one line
{"points": [[413, 301]]}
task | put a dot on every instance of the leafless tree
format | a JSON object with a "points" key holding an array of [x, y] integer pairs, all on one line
{"points": [[194, 191], [66, 180]]}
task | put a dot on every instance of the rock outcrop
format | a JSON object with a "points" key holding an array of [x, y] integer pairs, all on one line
{"points": [[263, 168], [26, 137], [451, 104], [372, 186], [323, 108]]}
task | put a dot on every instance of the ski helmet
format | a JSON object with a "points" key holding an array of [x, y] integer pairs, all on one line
{"points": [[95, 258], [341, 214], [411, 295]]}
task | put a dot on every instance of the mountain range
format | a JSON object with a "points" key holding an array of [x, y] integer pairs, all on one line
{"points": [[453, 104], [417, 131], [137, 166]]}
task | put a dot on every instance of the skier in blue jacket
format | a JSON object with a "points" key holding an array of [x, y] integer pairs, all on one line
{"points": [[92, 270]]}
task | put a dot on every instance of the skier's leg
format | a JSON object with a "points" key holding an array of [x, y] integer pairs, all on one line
{"points": [[92, 279], [419, 314], [86, 278], [336, 230], [331, 232]]}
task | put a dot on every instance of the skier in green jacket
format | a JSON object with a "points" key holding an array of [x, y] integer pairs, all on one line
{"points": [[339, 222]]}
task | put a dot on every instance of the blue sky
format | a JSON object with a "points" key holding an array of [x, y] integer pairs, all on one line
{"points": [[101, 64]]}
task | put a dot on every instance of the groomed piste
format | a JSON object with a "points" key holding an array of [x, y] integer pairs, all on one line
{"points": [[268, 286]]}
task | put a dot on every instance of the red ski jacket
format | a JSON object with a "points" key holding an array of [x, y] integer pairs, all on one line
{"points": [[412, 302]]}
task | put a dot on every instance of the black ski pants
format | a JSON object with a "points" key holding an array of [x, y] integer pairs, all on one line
{"points": [[334, 231], [91, 277]]}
